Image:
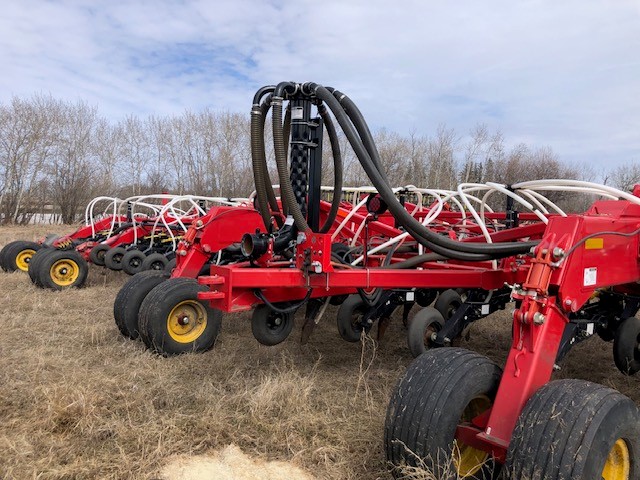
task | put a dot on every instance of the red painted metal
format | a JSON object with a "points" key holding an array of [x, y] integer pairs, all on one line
{"points": [[577, 255], [219, 228], [87, 231]]}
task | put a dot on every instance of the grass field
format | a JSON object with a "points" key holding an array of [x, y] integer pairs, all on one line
{"points": [[79, 401]]}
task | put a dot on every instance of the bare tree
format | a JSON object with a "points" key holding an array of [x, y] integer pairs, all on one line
{"points": [[70, 164], [625, 176], [441, 159], [24, 143]]}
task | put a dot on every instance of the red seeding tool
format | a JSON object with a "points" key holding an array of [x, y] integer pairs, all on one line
{"points": [[151, 240], [455, 412], [142, 238], [63, 264], [101, 221], [149, 298], [209, 239]]}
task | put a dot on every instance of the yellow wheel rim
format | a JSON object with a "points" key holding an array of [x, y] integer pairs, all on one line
{"points": [[469, 460], [618, 464], [23, 258], [64, 272], [187, 321]]}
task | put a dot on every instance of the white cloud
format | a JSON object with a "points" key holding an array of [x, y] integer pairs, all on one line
{"points": [[557, 73]]}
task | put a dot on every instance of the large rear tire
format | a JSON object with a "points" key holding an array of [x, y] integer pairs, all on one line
{"points": [[173, 321], [34, 264], [575, 430], [441, 389], [62, 269], [17, 255], [126, 306]]}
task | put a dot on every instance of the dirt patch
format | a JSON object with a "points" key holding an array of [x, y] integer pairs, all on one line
{"points": [[230, 464]]}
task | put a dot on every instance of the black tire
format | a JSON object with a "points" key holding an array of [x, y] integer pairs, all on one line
{"points": [[270, 327], [62, 269], [126, 306], [626, 342], [425, 323], [155, 261], [606, 334], [17, 255], [34, 264], [439, 389], [113, 258], [447, 303], [425, 296], [97, 253], [2, 252], [349, 316], [170, 266], [2, 257], [572, 429], [337, 300], [165, 305], [132, 262]]}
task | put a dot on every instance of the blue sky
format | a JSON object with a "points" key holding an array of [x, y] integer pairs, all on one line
{"points": [[559, 73]]}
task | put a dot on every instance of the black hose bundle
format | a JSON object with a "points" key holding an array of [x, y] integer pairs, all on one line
{"points": [[357, 132], [272, 97], [359, 136]]}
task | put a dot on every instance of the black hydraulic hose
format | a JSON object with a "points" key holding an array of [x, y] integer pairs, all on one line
{"points": [[265, 197], [257, 160], [289, 309], [415, 261], [433, 241], [286, 136], [261, 93], [286, 190], [361, 126], [349, 131], [503, 249], [337, 168], [271, 196]]}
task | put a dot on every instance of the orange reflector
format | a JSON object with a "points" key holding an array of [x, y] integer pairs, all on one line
{"points": [[594, 243]]}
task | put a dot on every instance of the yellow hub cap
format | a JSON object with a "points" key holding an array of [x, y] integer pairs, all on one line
{"points": [[23, 258], [64, 272], [187, 321], [469, 460], [618, 464]]}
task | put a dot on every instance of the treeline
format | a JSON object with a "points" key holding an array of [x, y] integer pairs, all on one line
{"points": [[62, 154]]}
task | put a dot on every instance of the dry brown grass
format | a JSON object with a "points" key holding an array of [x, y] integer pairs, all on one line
{"points": [[79, 401]]}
